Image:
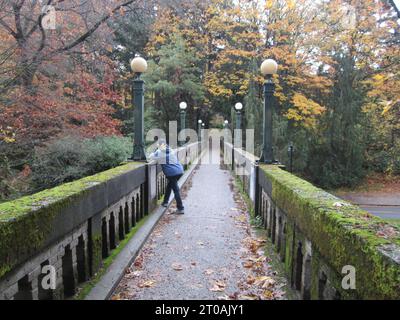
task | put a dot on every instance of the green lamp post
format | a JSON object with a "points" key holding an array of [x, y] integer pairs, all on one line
{"points": [[138, 66], [238, 108], [199, 122], [182, 113], [268, 68]]}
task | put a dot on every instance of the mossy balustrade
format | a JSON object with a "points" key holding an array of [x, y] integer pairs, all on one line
{"points": [[343, 234], [30, 223]]}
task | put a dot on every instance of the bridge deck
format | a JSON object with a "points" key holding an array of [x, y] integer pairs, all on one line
{"points": [[208, 253]]}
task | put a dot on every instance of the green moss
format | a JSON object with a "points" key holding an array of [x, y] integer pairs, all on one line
{"points": [[45, 198], [97, 252], [247, 200], [26, 222], [289, 248], [394, 221], [344, 235], [85, 289]]}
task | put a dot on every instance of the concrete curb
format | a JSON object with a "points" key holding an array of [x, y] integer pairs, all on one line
{"points": [[113, 275]]}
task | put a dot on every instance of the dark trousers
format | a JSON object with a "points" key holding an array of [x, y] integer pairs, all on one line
{"points": [[173, 185]]}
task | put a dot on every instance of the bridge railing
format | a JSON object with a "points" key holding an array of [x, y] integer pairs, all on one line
{"points": [[330, 248], [66, 232]]}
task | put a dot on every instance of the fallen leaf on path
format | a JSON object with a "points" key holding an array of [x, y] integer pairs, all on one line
{"points": [[136, 274], [147, 284], [177, 267], [265, 282], [128, 270], [241, 218], [208, 271], [248, 264], [254, 245], [250, 279], [268, 294], [218, 286], [138, 262], [217, 289]]}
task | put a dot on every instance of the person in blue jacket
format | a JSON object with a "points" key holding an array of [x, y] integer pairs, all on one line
{"points": [[173, 170]]}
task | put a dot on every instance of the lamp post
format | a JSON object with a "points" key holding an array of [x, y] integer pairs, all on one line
{"points": [[268, 68], [199, 122], [226, 124], [290, 155], [182, 107], [238, 108], [138, 66]]}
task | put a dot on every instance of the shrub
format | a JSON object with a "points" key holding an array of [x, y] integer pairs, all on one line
{"points": [[71, 158], [380, 161], [106, 152], [395, 161]]}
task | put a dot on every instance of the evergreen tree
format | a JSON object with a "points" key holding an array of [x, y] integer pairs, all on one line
{"points": [[173, 76], [339, 153]]}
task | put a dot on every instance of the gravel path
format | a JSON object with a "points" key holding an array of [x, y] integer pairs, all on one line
{"points": [[208, 253]]}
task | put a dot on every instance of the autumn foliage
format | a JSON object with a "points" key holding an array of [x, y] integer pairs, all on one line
{"points": [[337, 91]]}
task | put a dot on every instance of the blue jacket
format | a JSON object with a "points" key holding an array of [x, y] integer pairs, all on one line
{"points": [[169, 162]]}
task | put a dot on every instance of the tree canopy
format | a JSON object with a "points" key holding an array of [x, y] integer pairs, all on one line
{"points": [[337, 90]]}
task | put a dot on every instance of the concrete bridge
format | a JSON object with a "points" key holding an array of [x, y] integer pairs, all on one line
{"points": [[85, 234]]}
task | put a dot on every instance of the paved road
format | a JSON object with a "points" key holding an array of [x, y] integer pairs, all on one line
{"points": [[199, 255], [386, 206], [386, 212]]}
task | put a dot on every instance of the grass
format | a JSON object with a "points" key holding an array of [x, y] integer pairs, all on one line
{"points": [[84, 290]]}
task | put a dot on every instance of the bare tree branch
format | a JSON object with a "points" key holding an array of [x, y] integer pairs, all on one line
{"points": [[395, 8], [87, 34], [8, 28]]}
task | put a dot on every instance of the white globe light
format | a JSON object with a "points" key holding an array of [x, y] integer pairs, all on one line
{"points": [[183, 105], [138, 65], [199, 121], [202, 124], [269, 67], [238, 106], [226, 121]]}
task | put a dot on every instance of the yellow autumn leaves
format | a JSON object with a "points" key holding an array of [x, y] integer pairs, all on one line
{"points": [[304, 110]]}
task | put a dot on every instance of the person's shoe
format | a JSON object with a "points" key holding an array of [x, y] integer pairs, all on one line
{"points": [[165, 205], [180, 211]]}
